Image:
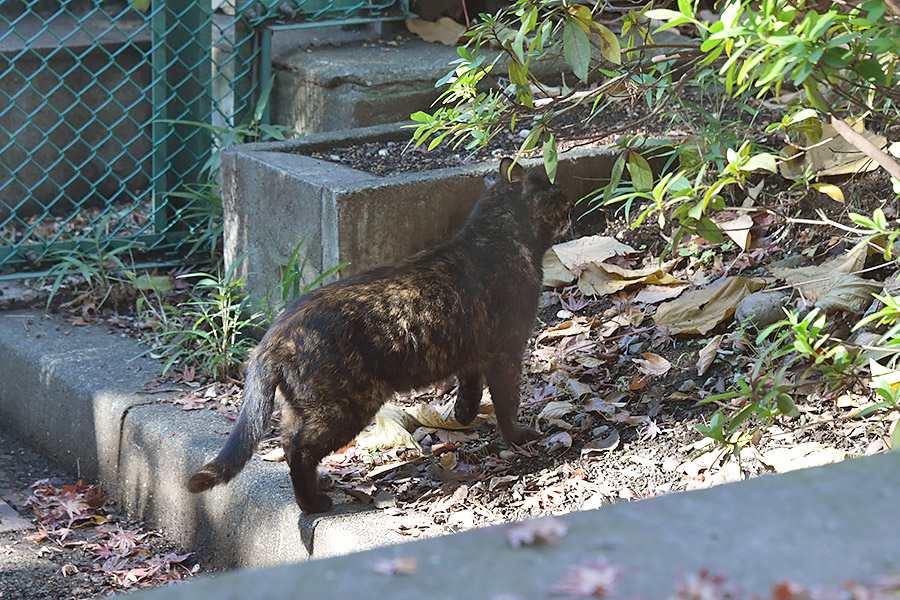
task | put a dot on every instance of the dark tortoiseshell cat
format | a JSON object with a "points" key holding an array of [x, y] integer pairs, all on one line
{"points": [[464, 308]]}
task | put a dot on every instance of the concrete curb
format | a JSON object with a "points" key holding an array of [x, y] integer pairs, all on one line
{"points": [[73, 394]]}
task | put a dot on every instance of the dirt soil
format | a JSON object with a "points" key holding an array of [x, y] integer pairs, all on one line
{"points": [[573, 129]]}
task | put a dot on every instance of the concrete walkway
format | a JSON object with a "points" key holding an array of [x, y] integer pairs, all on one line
{"points": [[820, 527]]}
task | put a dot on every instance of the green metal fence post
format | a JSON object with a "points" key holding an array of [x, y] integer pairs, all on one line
{"points": [[245, 84], [181, 92], [189, 73]]}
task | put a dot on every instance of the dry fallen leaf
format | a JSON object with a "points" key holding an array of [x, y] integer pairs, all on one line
{"points": [[564, 329], [738, 230], [834, 156], [593, 248], [815, 280], [276, 455], [601, 446], [444, 31], [390, 430], [556, 274], [848, 293], [605, 279], [442, 416], [708, 354], [700, 311], [556, 410], [578, 388], [401, 565], [882, 375], [449, 461], [557, 441], [830, 190], [547, 530], [652, 364], [653, 294], [801, 456]]}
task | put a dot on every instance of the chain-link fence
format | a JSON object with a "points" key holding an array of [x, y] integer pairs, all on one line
{"points": [[100, 106]]}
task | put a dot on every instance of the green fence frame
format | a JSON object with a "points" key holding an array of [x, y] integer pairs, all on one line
{"points": [[94, 100]]}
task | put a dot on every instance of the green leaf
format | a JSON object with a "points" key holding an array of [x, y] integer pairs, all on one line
{"points": [[816, 97], [614, 179], [576, 48], [550, 160], [141, 5], [610, 48], [664, 14], [530, 141], [156, 283], [801, 115], [583, 15], [709, 231], [763, 160], [871, 70], [786, 405], [641, 173]]}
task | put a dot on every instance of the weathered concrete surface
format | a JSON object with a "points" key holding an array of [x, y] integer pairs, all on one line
{"points": [[75, 395], [818, 527], [65, 390], [342, 87], [273, 196]]}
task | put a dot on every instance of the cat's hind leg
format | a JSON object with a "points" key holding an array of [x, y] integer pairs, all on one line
{"points": [[468, 399], [303, 455], [503, 381]]}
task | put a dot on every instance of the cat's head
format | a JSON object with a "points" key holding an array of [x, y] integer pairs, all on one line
{"points": [[548, 205]]}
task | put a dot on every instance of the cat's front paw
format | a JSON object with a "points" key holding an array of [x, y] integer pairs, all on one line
{"points": [[464, 412], [319, 504], [521, 436]]}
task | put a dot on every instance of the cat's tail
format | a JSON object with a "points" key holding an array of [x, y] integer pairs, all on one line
{"points": [[252, 422]]}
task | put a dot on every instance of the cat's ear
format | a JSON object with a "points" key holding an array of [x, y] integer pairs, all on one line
{"points": [[512, 172]]}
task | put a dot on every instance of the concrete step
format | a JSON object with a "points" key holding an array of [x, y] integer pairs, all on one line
{"points": [[356, 84]]}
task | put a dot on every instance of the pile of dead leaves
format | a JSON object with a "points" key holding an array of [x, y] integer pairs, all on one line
{"points": [[78, 517]]}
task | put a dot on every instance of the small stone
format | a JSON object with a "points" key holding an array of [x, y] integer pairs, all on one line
{"points": [[688, 385], [382, 152], [595, 501], [334, 157], [384, 499], [761, 309]]}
